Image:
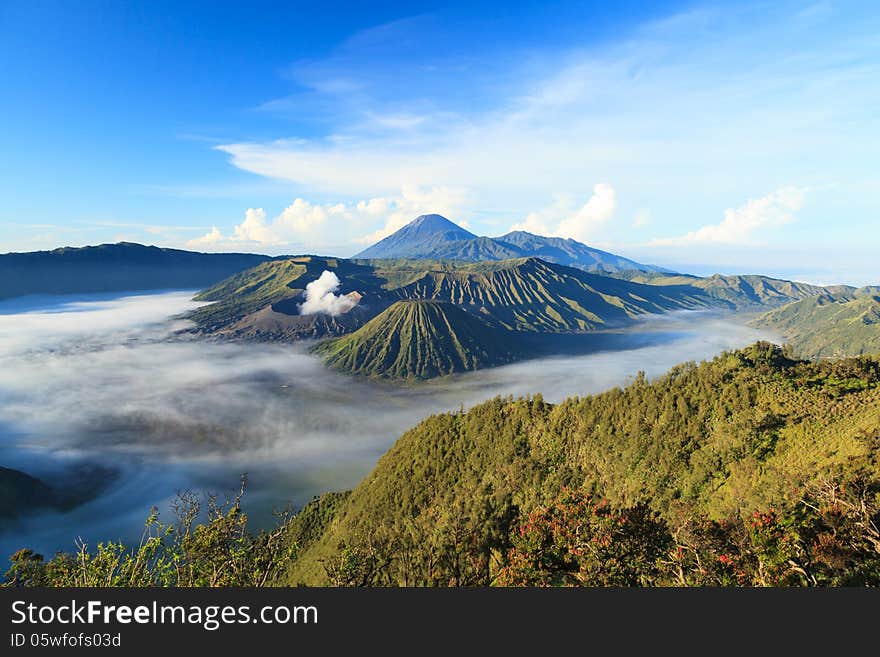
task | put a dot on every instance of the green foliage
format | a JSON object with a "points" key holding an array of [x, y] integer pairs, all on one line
{"points": [[706, 447], [576, 541], [309, 524], [830, 538]]}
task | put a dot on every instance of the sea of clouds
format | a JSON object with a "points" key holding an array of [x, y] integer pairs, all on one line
{"points": [[109, 386]]}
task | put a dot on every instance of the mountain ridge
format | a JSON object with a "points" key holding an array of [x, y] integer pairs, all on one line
{"points": [[524, 294], [436, 237], [123, 266], [736, 291]]}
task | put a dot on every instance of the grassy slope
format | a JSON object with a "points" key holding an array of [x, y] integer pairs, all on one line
{"points": [[739, 292], [830, 325], [419, 340], [532, 295], [525, 294], [745, 431]]}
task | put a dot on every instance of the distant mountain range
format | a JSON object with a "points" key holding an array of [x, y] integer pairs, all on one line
{"points": [[115, 267], [740, 292], [432, 236]]}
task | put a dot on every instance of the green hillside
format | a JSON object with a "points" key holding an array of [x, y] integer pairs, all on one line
{"points": [[419, 339], [735, 292], [739, 462], [526, 294], [829, 325]]}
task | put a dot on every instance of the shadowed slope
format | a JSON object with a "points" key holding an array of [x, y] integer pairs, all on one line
{"points": [[121, 267]]}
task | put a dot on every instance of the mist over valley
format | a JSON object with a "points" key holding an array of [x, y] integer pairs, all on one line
{"points": [[108, 397]]}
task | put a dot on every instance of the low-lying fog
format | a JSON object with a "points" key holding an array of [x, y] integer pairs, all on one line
{"points": [[98, 387]]}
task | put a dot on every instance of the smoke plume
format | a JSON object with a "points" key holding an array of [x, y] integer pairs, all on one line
{"points": [[321, 297]]}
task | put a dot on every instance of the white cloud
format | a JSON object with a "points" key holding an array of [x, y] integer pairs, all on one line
{"points": [[594, 213], [254, 229], [209, 239], [564, 219], [302, 218], [253, 232], [321, 297], [651, 104], [536, 222], [740, 224], [304, 224]]}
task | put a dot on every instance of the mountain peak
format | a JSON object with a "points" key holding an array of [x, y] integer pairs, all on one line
{"points": [[426, 225], [434, 221], [425, 231], [434, 236]]}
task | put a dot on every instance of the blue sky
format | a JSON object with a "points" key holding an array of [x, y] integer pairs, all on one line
{"points": [[709, 137]]}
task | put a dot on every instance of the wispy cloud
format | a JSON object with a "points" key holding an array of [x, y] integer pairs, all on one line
{"points": [[672, 99], [741, 225], [683, 115]]}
